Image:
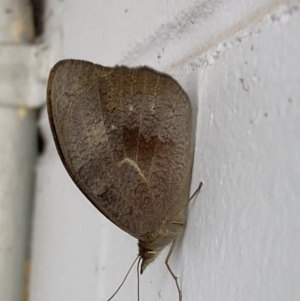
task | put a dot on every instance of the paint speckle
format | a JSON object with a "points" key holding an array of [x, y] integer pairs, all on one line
{"points": [[23, 111], [243, 85]]}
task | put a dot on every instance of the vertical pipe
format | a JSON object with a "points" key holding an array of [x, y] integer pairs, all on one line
{"points": [[17, 149], [17, 153]]}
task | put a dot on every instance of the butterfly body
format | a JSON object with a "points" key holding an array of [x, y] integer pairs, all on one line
{"points": [[124, 136]]}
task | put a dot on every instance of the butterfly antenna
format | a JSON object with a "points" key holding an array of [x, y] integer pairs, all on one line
{"points": [[124, 278], [138, 278]]}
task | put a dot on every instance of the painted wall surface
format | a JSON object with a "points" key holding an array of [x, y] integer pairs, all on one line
{"points": [[240, 65]]}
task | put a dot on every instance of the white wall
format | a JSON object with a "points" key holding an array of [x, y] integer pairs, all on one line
{"points": [[239, 62]]}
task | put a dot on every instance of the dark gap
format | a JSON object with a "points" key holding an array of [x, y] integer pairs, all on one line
{"points": [[38, 8], [41, 142]]}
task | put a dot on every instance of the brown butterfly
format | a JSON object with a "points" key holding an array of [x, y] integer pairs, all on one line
{"points": [[124, 136]]}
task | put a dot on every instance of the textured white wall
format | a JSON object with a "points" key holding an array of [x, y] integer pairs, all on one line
{"points": [[239, 64], [248, 222]]}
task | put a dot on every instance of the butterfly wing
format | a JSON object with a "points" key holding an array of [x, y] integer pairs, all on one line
{"points": [[123, 135]]}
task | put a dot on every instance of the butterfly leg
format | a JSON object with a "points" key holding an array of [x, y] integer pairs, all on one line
{"points": [[170, 270], [196, 191]]}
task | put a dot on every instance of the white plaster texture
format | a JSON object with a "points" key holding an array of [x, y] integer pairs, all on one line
{"points": [[245, 233], [242, 240]]}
